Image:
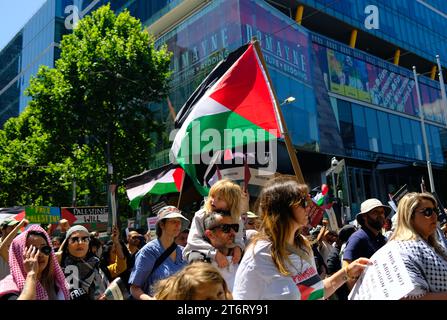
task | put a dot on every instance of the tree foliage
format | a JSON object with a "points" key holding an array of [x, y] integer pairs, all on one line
{"points": [[91, 106]]}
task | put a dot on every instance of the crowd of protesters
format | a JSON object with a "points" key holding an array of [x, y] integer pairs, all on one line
{"points": [[229, 250]]}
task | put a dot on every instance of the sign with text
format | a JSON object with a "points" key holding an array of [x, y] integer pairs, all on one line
{"points": [[93, 218], [151, 222], [89, 214], [386, 279], [47, 215]]}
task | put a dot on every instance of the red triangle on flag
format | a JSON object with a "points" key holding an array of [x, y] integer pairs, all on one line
{"points": [[178, 177], [305, 291], [245, 90], [228, 155], [66, 214]]}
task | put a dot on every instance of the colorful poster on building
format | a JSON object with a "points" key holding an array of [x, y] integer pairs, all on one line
{"points": [[45, 215], [385, 279], [348, 76], [357, 75]]}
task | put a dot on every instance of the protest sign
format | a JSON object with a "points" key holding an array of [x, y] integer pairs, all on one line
{"points": [[93, 218], [45, 215], [385, 279], [151, 222]]}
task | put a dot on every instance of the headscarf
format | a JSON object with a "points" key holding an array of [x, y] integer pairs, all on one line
{"points": [[15, 282]]}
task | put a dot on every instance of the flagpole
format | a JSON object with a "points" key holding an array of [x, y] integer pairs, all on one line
{"points": [[424, 135], [288, 141], [181, 189]]}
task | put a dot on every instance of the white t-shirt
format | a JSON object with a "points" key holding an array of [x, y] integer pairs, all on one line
{"points": [[228, 273], [257, 277]]}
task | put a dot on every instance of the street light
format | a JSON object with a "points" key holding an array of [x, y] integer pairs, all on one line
{"points": [[288, 100]]}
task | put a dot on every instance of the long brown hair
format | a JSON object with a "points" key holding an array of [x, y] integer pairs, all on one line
{"points": [[228, 191], [276, 202]]}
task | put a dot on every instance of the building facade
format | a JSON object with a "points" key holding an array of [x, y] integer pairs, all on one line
{"points": [[348, 64]]}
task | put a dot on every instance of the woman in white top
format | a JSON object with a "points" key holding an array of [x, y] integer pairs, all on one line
{"points": [[420, 248], [279, 263]]}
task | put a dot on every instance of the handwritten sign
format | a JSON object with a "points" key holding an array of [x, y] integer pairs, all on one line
{"points": [[45, 215], [89, 214], [386, 279], [151, 222]]}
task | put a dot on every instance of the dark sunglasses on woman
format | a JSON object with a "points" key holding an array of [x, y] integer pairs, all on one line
{"points": [[428, 212], [46, 250]]}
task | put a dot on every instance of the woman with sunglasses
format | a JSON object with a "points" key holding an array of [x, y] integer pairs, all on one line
{"points": [[34, 271], [417, 241], [279, 263], [81, 266]]}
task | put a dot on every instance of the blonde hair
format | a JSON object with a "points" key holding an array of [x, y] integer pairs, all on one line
{"points": [[405, 211], [183, 285], [228, 191], [276, 202]]}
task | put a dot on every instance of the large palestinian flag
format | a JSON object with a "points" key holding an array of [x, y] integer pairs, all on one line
{"points": [[167, 179], [234, 106]]}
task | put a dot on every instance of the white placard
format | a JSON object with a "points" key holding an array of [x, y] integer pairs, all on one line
{"points": [[386, 279]]}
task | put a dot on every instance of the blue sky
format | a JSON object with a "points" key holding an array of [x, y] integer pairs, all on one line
{"points": [[13, 16]]}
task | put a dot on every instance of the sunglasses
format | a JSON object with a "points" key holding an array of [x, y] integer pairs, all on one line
{"points": [[79, 239], [428, 212], [46, 250], [304, 203], [226, 228]]}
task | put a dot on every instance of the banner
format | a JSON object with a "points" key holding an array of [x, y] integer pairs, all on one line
{"points": [[386, 279], [45, 215], [93, 218]]}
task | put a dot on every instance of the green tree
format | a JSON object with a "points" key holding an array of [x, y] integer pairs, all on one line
{"points": [[92, 106]]}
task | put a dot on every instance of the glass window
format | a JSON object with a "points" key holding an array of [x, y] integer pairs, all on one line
{"points": [[385, 134], [372, 129], [416, 131], [396, 135], [346, 126], [407, 138], [435, 147], [361, 135]]}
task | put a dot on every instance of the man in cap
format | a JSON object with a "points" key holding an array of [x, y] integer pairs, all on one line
{"points": [[368, 239]]}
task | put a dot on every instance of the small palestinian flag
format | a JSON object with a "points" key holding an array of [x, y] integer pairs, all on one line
{"points": [[167, 179]]}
